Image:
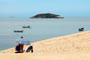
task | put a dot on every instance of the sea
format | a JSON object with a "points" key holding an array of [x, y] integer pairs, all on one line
{"points": [[40, 29]]}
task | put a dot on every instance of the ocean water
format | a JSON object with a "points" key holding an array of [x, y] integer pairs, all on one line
{"points": [[41, 29]]}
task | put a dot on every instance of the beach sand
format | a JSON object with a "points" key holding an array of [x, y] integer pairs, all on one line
{"points": [[70, 47]]}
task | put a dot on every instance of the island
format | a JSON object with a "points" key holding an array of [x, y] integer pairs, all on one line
{"points": [[47, 15]]}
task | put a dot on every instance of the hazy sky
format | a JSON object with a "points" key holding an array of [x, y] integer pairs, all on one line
{"points": [[26, 8]]}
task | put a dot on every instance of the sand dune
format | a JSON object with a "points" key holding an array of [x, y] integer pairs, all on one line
{"points": [[71, 47]]}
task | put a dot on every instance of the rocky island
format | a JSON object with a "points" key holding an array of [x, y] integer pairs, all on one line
{"points": [[47, 15]]}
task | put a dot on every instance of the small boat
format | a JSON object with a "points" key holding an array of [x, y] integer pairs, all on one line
{"points": [[81, 29], [18, 31], [26, 26]]}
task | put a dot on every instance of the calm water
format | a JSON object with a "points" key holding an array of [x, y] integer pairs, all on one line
{"points": [[41, 29]]}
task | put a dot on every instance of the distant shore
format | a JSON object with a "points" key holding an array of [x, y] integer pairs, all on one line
{"points": [[70, 47]]}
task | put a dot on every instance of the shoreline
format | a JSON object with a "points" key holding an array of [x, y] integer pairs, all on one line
{"points": [[50, 38], [70, 47], [46, 39], [66, 36]]}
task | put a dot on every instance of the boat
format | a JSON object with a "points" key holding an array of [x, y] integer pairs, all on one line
{"points": [[81, 29], [26, 26], [18, 31]]}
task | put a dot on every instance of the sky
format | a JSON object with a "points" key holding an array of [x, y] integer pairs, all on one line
{"points": [[27, 8]]}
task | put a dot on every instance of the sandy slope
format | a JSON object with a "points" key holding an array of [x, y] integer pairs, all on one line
{"points": [[71, 47]]}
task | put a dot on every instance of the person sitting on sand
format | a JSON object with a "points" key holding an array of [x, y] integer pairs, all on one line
{"points": [[20, 46], [30, 49]]}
